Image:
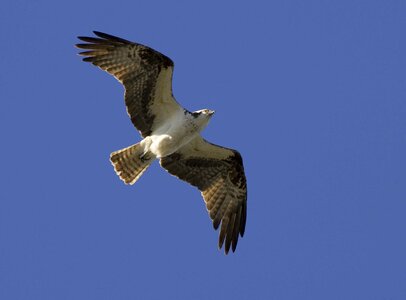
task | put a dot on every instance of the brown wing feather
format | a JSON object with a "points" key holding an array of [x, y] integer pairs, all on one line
{"points": [[218, 173], [145, 73]]}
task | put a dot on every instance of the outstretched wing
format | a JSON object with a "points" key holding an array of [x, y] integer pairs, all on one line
{"points": [[145, 73], [218, 173]]}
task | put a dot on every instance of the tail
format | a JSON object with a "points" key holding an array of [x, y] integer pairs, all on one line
{"points": [[129, 163]]}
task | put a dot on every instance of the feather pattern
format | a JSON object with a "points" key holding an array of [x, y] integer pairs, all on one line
{"points": [[145, 73], [218, 173]]}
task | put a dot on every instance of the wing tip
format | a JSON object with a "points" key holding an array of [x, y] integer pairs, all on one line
{"points": [[216, 224], [88, 59], [110, 37], [231, 230], [89, 39], [81, 37], [243, 219], [231, 245], [103, 39]]}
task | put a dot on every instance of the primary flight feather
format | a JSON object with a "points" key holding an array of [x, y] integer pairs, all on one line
{"points": [[171, 133]]}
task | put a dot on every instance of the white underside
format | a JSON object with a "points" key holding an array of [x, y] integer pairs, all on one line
{"points": [[172, 127], [172, 135]]}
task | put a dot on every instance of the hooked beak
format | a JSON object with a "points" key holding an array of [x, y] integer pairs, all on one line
{"points": [[211, 112]]}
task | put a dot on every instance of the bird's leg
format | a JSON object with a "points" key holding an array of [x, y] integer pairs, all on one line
{"points": [[145, 156]]}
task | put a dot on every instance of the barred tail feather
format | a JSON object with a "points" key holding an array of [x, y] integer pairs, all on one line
{"points": [[130, 163]]}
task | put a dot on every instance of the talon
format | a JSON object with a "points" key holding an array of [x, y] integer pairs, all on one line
{"points": [[144, 157]]}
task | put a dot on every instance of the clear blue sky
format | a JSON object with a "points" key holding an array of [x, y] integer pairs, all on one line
{"points": [[313, 95]]}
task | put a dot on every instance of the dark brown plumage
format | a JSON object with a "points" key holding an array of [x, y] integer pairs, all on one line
{"points": [[137, 67], [218, 172]]}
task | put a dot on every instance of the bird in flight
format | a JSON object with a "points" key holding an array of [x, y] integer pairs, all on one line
{"points": [[171, 133]]}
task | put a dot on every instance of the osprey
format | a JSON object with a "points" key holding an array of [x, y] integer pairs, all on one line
{"points": [[171, 133]]}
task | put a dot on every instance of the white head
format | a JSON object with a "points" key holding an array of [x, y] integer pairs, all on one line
{"points": [[202, 116], [203, 112]]}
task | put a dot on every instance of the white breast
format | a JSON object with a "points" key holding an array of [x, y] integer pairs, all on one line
{"points": [[172, 135]]}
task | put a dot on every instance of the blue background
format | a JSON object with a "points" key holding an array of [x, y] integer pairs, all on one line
{"points": [[312, 93]]}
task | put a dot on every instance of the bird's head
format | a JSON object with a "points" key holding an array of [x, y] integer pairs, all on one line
{"points": [[203, 113], [202, 117]]}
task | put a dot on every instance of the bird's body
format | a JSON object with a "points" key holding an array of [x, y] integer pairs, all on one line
{"points": [[179, 130], [171, 133]]}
